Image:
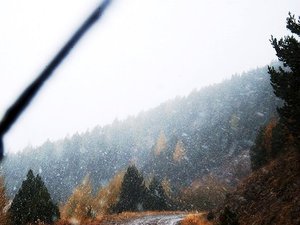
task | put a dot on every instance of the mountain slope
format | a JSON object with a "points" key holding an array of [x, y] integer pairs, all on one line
{"points": [[213, 127], [271, 195], [221, 125]]}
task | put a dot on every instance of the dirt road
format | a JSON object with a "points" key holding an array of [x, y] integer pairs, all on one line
{"points": [[152, 220]]}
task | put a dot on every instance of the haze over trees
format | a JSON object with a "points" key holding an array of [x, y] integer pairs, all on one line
{"points": [[188, 154], [209, 131], [195, 149]]}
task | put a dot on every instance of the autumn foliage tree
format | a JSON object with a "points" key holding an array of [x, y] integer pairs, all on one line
{"points": [[179, 152], [161, 143], [79, 206], [107, 197]]}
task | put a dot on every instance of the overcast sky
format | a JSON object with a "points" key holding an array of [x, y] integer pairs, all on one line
{"points": [[140, 54]]}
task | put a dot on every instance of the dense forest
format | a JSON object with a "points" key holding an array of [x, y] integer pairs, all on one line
{"points": [[271, 193], [210, 131], [231, 149]]}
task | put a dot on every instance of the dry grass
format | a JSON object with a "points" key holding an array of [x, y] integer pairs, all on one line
{"points": [[195, 219], [74, 221], [270, 195]]}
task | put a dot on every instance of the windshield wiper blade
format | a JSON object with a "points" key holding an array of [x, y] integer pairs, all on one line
{"points": [[25, 98]]}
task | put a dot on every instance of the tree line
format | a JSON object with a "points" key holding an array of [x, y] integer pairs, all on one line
{"points": [[32, 204], [130, 191]]}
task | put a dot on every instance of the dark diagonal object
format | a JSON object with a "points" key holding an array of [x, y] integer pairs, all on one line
{"points": [[25, 98]]}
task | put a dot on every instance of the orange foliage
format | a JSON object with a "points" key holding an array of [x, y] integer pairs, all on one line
{"points": [[80, 204], [108, 196], [195, 219], [62, 222], [179, 152], [161, 143], [73, 221], [167, 187], [268, 135], [84, 208]]}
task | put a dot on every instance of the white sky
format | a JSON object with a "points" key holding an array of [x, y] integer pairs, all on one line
{"points": [[140, 54]]}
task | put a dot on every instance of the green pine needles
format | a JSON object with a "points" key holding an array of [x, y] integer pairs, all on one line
{"points": [[286, 80], [32, 203], [279, 136]]}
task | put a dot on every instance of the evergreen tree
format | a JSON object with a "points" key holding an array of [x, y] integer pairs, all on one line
{"points": [[278, 138], [156, 198], [33, 203], [286, 80], [258, 152], [228, 217], [132, 193]]}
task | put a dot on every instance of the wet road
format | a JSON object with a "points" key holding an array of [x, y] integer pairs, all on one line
{"points": [[153, 220]]}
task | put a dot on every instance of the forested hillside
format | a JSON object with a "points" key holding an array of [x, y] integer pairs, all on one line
{"points": [[181, 140], [271, 194]]}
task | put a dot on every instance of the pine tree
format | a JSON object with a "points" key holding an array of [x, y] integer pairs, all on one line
{"points": [[286, 80], [156, 198], [33, 203], [228, 217], [132, 193], [265, 147]]}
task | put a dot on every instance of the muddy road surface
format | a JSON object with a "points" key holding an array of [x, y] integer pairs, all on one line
{"points": [[151, 220]]}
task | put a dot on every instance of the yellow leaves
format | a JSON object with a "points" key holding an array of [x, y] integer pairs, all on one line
{"points": [[80, 204], [195, 219], [109, 195], [167, 187], [161, 144], [179, 152], [83, 206], [268, 134]]}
